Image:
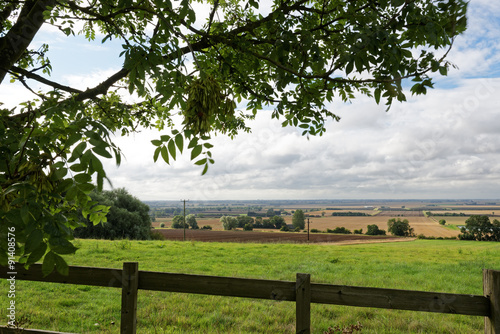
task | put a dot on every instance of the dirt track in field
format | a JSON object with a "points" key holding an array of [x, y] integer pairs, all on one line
{"points": [[264, 237]]}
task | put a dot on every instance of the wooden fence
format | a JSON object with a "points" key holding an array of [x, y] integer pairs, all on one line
{"points": [[302, 292]]}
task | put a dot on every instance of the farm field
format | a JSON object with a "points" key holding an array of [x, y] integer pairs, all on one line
{"points": [[422, 225], [426, 265], [453, 220], [368, 212], [274, 236], [469, 212]]}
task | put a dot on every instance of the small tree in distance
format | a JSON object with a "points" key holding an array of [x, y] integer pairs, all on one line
{"points": [[298, 219], [248, 227], [178, 222], [399, 227], [270, 212], [480, 228], [374, 230], [191, 221], [277, 221], [229, 223]]}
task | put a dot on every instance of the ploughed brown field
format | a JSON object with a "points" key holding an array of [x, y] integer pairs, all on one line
{"points": [[263, 237]]}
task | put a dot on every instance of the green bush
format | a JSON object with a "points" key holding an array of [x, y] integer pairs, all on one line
{"points": [[244, 220], [191, 221], [248, 227], [277, 221], [162, 225], [128, 217], [206, 227], [339, 230], [481, 229], [178, 222], [400, 227], [298, 219], [360, 231], [315, 230], [229, 223], [284, 228], [123, 244], [155, 235], [374, 230]]}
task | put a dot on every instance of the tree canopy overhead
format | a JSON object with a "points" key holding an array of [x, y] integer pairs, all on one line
{"points": [[217, 70]]}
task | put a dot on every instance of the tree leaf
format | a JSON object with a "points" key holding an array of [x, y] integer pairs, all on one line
{"points": [[179, 141], [33, 241], [37, 253], [58, 174], [72, 193], [64, 185], [156, 142], [193, 142], [164, 154], [201, 162], [171, 148], [349, 67], [196, 151], [78, 151], [48, 263], [82, 178], [377, 95], [205, 169], [102, 152], [86, 187], [156, 154], [61, 246], [61, 265], [25, 214], [78, 168]]}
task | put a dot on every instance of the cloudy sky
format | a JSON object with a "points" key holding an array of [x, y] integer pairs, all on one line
{"points": [[442, 145]]}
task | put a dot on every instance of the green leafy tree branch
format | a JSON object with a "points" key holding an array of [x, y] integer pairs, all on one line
{"points": [[295, 60]]}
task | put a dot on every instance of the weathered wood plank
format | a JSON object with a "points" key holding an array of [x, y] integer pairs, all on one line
{"points": [[400, 299], [130, 281], [215, 285], [269, 289], [77, 275], [491, 288], [6, 330], [303, 304]]}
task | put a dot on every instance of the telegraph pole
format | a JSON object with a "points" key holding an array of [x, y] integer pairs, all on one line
{"points": [[307, 229], [184, 224]]}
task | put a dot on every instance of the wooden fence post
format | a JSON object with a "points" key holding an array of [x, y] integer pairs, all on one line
{"points": [[130, 280], [491, 288], [303, 303]]}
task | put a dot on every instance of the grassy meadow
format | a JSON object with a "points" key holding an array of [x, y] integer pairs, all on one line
{"points": [[427, 265]]}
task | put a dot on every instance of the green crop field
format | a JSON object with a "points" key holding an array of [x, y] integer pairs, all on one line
{"points": [[426, 265]]}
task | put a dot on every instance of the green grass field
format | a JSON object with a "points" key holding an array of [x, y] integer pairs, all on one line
{"points": [[427, 265]]}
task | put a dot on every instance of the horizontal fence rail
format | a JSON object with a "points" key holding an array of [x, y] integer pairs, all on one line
{"points": [[130, 280]]}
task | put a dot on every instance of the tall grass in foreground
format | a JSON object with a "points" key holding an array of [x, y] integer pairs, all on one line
{"points": [[427, 265]]}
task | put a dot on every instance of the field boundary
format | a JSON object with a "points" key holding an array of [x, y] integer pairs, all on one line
{"points": [[302, 292]]}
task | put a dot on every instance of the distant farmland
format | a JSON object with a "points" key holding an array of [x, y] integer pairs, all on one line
{"points": [[378, 213], [422, 225]]}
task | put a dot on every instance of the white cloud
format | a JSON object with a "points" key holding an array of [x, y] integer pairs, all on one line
{"points": [[431, 147], [442, 145]]}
